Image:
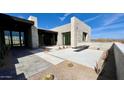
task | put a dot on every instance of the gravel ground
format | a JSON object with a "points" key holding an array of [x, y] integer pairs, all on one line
{"points": [[62, 71]]}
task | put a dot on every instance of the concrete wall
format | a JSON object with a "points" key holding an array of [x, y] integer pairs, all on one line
{"points": [[119, 58], [77, 29], [60, 30], [34, 32]]}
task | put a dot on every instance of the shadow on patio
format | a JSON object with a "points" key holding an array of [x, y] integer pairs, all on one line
{"points": [[8, 70]]}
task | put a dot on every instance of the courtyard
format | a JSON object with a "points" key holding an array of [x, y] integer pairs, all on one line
{"points": [[63, 52], [64, 64]]}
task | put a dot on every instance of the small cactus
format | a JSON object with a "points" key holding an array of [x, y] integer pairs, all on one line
{"points": [[70, 65], [48, 77]]}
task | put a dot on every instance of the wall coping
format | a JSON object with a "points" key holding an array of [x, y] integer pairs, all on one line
{"points": [[120, 46]]}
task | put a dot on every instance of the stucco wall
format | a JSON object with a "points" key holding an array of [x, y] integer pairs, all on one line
{"points": [[60, 30], [63, 28], [77, 29], [119, 58]]}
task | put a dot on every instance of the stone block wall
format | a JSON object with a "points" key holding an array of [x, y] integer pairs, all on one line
{"points": [[34, 33], [77, 29], [60, 30]]}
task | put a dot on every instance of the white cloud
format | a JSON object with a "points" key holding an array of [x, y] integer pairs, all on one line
{"points": [[21, 17], [64, 17], [109, 34], [92, 18], [112, 19], [109, 27]]}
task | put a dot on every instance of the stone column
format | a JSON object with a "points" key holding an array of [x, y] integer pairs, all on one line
{"points": [[34, 37], [34, 33], [20, 38], [89, 35], [73, 32], [59, 39], [0, 40]]}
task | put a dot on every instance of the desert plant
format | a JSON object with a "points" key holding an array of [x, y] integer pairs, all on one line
{"points": [[70, 65], [97, 70], [48, 77]]}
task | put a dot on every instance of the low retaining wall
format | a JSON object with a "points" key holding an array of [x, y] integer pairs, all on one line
{"points": [[119, 60]]}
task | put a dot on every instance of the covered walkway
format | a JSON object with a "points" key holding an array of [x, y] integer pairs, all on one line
{"points": [[14, 32]]}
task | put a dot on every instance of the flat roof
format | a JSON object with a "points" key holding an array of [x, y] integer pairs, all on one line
{"points": [[8, 22]]}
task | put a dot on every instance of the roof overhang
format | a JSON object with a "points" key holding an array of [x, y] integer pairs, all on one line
{"points": [[8, 22]]}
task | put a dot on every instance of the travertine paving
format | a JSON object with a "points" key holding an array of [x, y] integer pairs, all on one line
{"points": [[50, 58], [87, 57], [29, 64], [34, 64]]}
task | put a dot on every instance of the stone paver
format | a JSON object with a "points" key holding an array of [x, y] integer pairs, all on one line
{"points": [[87, 57], [29, 64], [34, 64], [52, 59]]}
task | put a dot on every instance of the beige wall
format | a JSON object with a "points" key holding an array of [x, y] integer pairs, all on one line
{"points": [[60, 30], [63, 28], [77, 29]]}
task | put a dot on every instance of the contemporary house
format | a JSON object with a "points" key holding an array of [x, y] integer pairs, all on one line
{"points": [[73, 33], [16, 31], [99, 61]]}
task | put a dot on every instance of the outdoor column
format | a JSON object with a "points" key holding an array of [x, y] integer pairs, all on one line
{"points": [[11, 38], [3, 37], [35, 39], [0, 46], [0, 40], [53, 39], [34, 32], [20, 38], [73, 33], [59, 39]]}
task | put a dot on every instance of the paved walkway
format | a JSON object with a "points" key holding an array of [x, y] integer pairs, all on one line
{"points": [[29, 63], [26, 63], [87, 57], [52, 59]]}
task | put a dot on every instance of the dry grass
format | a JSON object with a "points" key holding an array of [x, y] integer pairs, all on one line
{"points": [[67, 71], [107, 40]]}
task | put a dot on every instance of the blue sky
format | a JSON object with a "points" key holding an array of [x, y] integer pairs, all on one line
{"points": [[104, 25]]}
